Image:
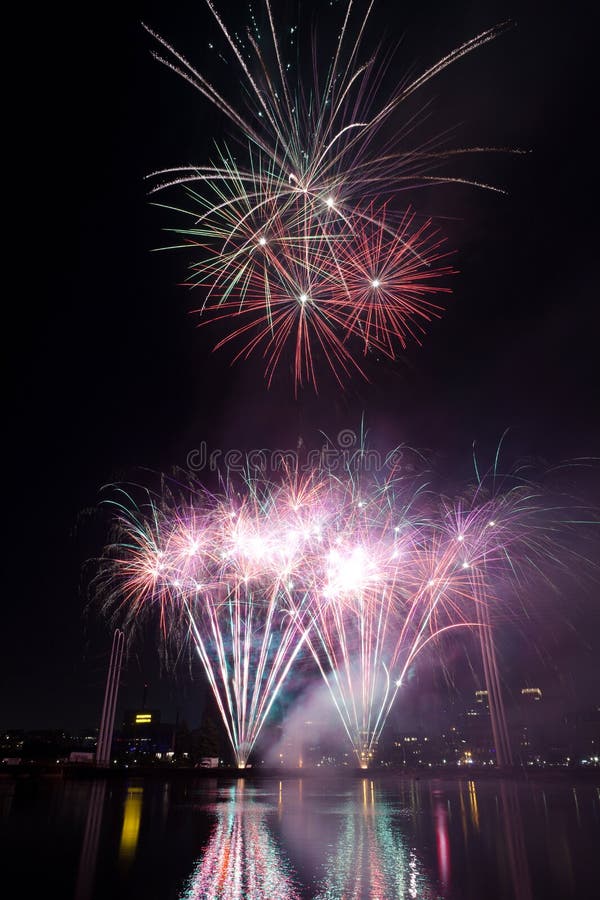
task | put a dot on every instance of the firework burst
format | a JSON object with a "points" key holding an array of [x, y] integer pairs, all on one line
{"points": [[292, 250]]}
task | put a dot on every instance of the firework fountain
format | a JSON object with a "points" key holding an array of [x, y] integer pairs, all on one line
{"points": [[219, 571], [361, 573]]}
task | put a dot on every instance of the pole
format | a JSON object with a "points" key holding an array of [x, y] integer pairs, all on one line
{"points": [[109, 707]]}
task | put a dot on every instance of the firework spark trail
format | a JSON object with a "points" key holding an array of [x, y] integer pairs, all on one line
{"points": [[219, 570], [365, 574], [298, 210], [372, 615]]}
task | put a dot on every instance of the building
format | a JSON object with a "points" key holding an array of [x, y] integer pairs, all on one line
{"points": [[476, 736], [531, 726], [143, 735]]}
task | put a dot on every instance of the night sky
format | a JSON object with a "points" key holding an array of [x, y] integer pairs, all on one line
{"points": [[109, 375]]}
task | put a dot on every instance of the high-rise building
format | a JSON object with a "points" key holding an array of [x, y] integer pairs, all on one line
{"points": [[475, 727], [532, 737]]}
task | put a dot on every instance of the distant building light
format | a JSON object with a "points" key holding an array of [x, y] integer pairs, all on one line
{"points": [[143, 718], [534, 693]]}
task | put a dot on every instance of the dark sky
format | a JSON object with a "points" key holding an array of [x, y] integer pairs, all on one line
{"points": [[109, 375]]}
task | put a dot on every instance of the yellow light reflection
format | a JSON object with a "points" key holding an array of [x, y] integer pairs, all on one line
{"points": [[131, 823], [473, 804]]}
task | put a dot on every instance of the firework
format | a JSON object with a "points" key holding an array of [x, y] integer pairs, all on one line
{"points": [[295, 250], [398, 568], [362, 572], [219, 571]]}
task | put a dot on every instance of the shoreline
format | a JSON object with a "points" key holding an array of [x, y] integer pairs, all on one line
{"points": [[86, 772]]}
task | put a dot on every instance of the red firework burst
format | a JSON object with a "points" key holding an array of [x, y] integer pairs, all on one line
{"points": [[390, 276]]}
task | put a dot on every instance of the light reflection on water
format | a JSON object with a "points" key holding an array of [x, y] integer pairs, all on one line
{"points": [[241, 858], [302, 839], [89, 846], [130, 831], [372, 857]]}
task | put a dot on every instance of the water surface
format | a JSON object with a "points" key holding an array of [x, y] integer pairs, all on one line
{"points": [[301, 839]]}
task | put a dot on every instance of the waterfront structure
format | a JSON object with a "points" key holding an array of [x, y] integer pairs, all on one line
{"points": [[109, 708]]}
